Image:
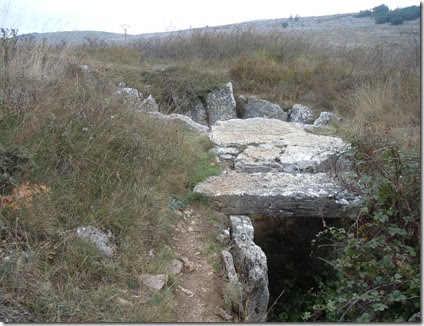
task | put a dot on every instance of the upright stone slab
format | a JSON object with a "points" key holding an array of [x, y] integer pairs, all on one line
{"points": [[251, 266], [221, 105]]}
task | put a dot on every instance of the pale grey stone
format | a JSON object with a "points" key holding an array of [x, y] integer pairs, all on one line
{"points": [[250, 262], [301, 114], [176, 266], [154, 282], [324, 119], [241, 226], [257, 108], [129, 94], [98, 238], [221, 105], [149, 104], [229, 267]]}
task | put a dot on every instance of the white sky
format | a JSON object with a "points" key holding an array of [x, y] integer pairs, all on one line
{"points": [[164, 15]]}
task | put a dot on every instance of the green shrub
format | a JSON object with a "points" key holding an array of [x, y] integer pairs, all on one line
{"points": [[376, 256], [397, 20]]}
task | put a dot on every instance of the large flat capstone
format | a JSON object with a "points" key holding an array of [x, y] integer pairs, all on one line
{"points": [[271, 145], [278, 194]]}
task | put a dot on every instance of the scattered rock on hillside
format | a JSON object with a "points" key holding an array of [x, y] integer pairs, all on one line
{"points": [[301, 114], [128, 93], [176, 266], [154, 282], [98, 238], [221, 105], [324, 119], [256, 107]]}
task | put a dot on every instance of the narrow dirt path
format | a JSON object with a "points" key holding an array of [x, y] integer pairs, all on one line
{"points": [[200, 285]]}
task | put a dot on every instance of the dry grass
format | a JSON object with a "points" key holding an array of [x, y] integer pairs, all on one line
{"points": [[382, 81], [106, 166]]}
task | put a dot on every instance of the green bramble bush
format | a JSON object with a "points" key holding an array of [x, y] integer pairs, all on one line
{"points": [[375, 257]]}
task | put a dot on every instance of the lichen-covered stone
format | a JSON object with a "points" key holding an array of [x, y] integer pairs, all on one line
{"points": [[251, 265], [301, 114], [98, 238], [221, 105]]}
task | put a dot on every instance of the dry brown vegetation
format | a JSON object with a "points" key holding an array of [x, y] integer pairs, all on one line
{"points": [[114, 168]]}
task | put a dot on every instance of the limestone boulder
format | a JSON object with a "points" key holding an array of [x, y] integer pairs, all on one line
{"points": [[324, 119], [301, 114], [221, 105], [256, 107]]}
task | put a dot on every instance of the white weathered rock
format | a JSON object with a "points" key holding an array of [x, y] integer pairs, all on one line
{"points": [[240, 132], [221, 105], [149, 104], [98, 238], [268, 145], [154, 282], [251, 265], [129, 94], [229, 268], [301, 114], [320, 155], [324, 119], [257, 108], [241, 226], [277, 194]]}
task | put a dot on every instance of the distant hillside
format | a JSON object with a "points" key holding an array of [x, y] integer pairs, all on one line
{"points": [[76, 37], [340, 29]]}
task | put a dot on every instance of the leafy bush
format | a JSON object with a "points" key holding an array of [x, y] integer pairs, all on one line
{"points": [[376, 256], [383, 15]]}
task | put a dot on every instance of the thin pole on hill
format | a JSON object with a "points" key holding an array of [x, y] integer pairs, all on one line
{"points": [[125, 27]]}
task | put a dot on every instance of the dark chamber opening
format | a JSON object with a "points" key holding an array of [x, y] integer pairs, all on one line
{"points": [[287, 245]]}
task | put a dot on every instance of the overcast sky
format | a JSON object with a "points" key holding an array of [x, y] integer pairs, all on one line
{"points": [[164, 15]]}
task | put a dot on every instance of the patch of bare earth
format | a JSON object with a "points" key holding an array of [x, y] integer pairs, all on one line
{"points": [[200, 285]]}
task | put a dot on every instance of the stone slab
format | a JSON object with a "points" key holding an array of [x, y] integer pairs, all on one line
{"points": [[278, 194]]}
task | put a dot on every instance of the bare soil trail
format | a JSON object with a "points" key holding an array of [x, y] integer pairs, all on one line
{"points": [[200, 286]]}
